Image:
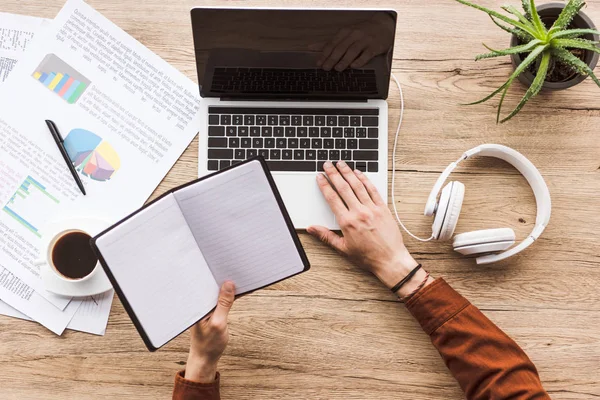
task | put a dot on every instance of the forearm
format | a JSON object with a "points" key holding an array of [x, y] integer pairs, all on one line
{"points": [[199, 381], [486, 363]]}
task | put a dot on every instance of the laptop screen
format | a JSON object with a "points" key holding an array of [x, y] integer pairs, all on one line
{"points": [[294, 54]]}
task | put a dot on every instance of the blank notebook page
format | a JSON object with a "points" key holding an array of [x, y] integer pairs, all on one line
{"points": [[240, 229], [160, 270]]}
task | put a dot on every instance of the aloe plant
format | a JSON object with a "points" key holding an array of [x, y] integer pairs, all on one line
{"points": [[544, 46]]}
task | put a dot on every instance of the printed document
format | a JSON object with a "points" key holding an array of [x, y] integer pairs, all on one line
{"points": [[125, 115]]}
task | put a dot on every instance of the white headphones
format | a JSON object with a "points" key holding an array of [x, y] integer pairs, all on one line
{"points": [[447, 209]]}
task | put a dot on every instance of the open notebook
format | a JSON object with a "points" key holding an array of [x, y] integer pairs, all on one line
{"points": [[168, 260]]}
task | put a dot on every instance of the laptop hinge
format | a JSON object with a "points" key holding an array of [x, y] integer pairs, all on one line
{"points": [[294, 100]]}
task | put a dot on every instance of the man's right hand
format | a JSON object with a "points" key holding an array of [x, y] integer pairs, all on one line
{"points": [[371, 237]]}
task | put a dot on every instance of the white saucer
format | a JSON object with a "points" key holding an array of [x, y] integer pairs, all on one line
{"points": [[96, 283]]}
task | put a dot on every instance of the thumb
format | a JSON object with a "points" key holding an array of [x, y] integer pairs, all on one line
{"points": [[328, 237], [226, 298]]}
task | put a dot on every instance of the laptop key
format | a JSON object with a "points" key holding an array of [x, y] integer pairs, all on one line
{"points": [[343, 121], [337, 132], [246, 142], [349, 132], [293, 143], [352, 144], [340, 143], [267, 131], [281, 143], [275, 154], [238, 119], [254, 131], [286, 154], [354, 121], [251, 153], [220, 154], [264, 153], [213, 165], [331, 120], [370, 121], [240, 154], [322, 155], [317, 143], [248, 119], [284, 120], [313, 132], [231, 131], [361, 166], [308, 120], [361, 132], [350, 164], [224, 164], [346, 155], [234, 142], [373, 133], [302, 131], [365, 155], [305, 143], [368, 144], [278, 131], [257, 143], [295, 166], [213, 120], [273, 119], [261, 120], [334, 155], [320, 120], [269, 143], [372, 167], [298, 154], [242, 131], [326, 131], [225, 119], [328, 143], [320, 166], [216, 131], [311, 154], [290, 131], [217, 142], [296, 120]]}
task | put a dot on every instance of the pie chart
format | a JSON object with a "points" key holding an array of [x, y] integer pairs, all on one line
{"points": [[92, 156]]}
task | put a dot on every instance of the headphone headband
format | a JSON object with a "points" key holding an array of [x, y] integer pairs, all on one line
{"points": [[531, 174]]}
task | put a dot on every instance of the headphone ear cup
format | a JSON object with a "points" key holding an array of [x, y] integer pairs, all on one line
{"points": [[484, 241], [448, 211]]}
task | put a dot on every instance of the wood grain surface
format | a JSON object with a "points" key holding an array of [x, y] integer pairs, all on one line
{"points": [[335, 332]]}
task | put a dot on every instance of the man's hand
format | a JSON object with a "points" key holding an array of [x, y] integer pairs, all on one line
{"points": [[371, 237], [209, 338]]}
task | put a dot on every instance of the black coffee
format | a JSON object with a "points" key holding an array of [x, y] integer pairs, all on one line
{"points": [[72, 255]]}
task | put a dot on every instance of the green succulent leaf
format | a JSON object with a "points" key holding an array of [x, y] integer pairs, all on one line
{"points": [[566, 16], [573, 33], [524, 48], [512, 10], [504, 18], [570, 59], [577, 44], [535, 87], [526, 7], [535, 18], [522, 67], [521, 34]]}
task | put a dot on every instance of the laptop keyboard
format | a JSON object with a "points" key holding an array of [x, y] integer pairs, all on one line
{"points": [[294, 139], [296, 81]]}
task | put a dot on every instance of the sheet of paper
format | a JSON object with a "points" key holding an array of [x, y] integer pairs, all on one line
{"points": [[16, 32], [9, 311], [125, 114], [92, 315], [160, 270], [239, 227]]}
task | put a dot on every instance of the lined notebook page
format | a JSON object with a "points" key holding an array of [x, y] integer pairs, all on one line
{"points": [[160, 269], [238, 225]]}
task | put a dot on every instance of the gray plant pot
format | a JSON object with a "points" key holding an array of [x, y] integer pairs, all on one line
{"points": [[581, 21]]}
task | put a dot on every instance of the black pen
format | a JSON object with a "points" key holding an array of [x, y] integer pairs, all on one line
{"points": [[60, 143]]}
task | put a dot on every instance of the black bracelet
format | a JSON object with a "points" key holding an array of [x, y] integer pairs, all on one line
{"points": [[405, 279]]}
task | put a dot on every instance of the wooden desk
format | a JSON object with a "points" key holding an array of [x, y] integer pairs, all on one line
{"points": [[336, 333]]}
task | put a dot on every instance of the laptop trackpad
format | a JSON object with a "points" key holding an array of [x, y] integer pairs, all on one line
{"points": [[304, 201]]}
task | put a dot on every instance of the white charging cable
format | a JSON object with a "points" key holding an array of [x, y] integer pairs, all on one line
{"points": [[394, 163]]}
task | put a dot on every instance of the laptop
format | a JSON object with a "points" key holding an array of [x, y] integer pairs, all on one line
{"points": [[299, 87]]}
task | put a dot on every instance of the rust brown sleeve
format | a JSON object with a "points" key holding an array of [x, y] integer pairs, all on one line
{"points": [[189, 390], [486, 363]]}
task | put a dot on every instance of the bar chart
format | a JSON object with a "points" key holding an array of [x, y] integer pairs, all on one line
{"points": [[61, 78], [28, 205]]}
